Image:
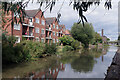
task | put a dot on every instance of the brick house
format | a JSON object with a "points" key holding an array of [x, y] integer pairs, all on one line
{"points": [[55, 30], [16, 30], [36, 28], [61, 30]]}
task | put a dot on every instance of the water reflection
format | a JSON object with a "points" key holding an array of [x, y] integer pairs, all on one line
{"points": [[49, 73], [88, 63], [84, 63]]}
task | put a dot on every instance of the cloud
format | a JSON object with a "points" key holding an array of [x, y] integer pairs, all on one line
{"points": [[98, 16]]}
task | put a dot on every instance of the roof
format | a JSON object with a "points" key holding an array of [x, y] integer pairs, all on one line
{"points": [[67, 32], [31, 13], [50, 20]]}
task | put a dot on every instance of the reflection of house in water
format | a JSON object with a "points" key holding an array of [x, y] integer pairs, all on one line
{"points": [[50, 73]]}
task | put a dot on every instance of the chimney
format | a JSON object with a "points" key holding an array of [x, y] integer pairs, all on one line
{"points": [[102, 32]]}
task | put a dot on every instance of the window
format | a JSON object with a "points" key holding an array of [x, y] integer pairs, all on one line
{"points": [[17, 39], [53, 40], [53, 71], [36, 30], [37, 20], [30, 20], [57, 40], [53, 33], [42, 40], [43, 22], [37, 39], [17, 26], [57, 69], [57, 27], [42, 31], [57, 33], [53, 25]]}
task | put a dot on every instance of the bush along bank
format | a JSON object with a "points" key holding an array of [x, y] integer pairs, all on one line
{"points": [[69, 43], [24, 51]]}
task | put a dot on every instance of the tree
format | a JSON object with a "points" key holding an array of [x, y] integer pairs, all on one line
{"points": [[69, 41], [97, 39], [84, 34]]}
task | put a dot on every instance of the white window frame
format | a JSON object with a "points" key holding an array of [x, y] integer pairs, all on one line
{"points": [[57, 27], [42, 39], [43, 22], [18, 39], [37, 39], [53, 25], [54, 33], [57, 34], [57, 40], [36, 20], [37, 30], [16, 26], [43, 30]]}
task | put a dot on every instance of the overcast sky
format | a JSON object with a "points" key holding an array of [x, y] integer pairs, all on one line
{"points": [[100, 17]]}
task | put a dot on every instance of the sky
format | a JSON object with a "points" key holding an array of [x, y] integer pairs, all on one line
{"points": [[100, 17]]}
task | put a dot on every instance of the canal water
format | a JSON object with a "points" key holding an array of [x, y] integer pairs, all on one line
{"points": [[80, 64]]}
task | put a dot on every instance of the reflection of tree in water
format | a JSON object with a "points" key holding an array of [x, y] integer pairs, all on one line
{"points": [[84, 63], [48, 71]]}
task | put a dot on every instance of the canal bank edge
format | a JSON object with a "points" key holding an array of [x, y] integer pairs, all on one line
{"points": [[113, 72]]}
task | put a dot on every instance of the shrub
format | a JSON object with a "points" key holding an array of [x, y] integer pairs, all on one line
{"points": [[75, 44], [67, 48], [8, 53], [66, 40], [50, 49], [24, 51], [35, 49]]}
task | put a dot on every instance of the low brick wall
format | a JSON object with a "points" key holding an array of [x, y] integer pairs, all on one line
{"points": [[113, 72]]}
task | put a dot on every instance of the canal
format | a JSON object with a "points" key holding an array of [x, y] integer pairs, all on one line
{"points": [[80, 64]]}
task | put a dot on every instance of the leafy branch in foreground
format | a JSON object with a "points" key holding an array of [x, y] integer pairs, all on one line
{"points": [[80, 6]]}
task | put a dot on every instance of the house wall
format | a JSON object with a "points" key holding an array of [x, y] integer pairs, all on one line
{"points": [[23, 28]]}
